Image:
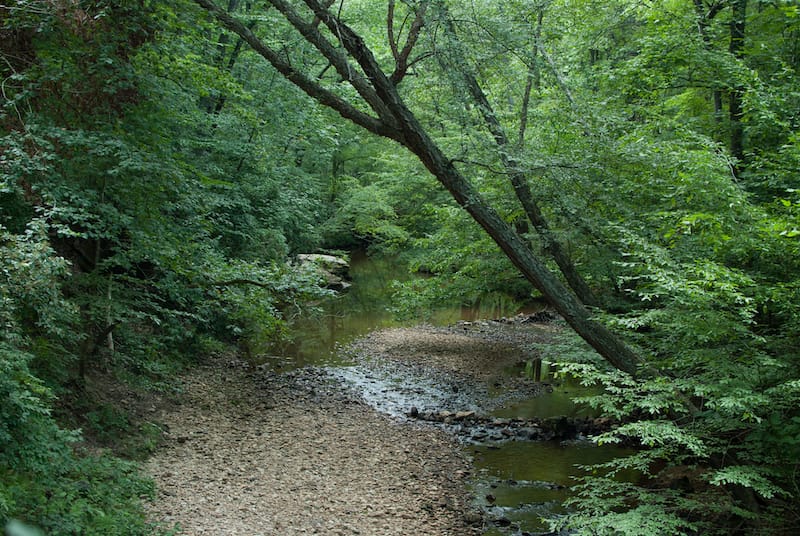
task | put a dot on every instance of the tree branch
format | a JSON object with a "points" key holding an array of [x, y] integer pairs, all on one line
{"points": [[359, 51], [422, 57], [308, 86], [390, 30], [328, 4], [517, 177], [339, 61], [241, 282], [401, 58], [532, 80]]}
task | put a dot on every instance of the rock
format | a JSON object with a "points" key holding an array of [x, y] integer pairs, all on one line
{"points": [[461, 415], [529, 433], [559, 428], [473, 517], [333, 270], [335, 265], [503, 522], [541, 317]]}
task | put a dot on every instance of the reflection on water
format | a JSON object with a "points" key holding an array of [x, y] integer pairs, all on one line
{"points": [[529, 480], [526, 481], [556, 399], [365, 307], [540, 461]]}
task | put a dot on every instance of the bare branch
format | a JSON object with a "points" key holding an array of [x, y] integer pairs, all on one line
{"points": [[422, 57], [359, 51], [311, 88], [401, 58], [390, 30], [337, 59]]}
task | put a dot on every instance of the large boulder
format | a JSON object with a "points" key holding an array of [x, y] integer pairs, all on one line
{"points": [[334, 271]]}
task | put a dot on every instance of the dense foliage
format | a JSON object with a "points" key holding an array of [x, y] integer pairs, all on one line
{"points": [[137, 228], [156, 173], [631, 142]]}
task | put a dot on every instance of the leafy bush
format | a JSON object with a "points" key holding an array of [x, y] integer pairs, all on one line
{"points": [[44, 478]]}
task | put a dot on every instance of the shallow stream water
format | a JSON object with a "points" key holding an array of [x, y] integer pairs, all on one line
{"points": [[365, 307], [518, 484]]}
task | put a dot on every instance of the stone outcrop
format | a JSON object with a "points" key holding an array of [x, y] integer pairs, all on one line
{"points": [[334, 271]]}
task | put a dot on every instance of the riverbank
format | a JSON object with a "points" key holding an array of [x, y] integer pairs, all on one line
{"points": [[251, 451], [254, 453]]}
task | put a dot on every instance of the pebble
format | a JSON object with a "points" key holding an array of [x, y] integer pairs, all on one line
{"points": [[292, 453], [314, 453]]}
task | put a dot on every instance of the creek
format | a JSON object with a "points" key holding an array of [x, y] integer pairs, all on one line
{"points": [[518, 484], [365, 307]]}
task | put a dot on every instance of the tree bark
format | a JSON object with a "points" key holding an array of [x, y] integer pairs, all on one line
{"points": [[735, 110], [404, 128], [518, 178], [705, 14]]}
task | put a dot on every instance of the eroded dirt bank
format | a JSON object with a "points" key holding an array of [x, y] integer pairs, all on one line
{"points": [[252, 452]]}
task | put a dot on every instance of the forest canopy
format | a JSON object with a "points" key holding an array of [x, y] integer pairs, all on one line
{"points": [[634, 164]]}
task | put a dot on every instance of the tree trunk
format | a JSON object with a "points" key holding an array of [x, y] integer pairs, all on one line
{"points": [[397, 122], [565, 302], [518, 179], [736, 112], [705, 14]]}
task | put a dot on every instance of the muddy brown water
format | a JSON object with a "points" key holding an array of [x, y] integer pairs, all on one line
{"points": [[364, 308], [518, 484]]}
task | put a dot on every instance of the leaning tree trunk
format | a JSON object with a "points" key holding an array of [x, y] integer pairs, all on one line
{"points": [[395, 121], [519, 180], [517, 250]]}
